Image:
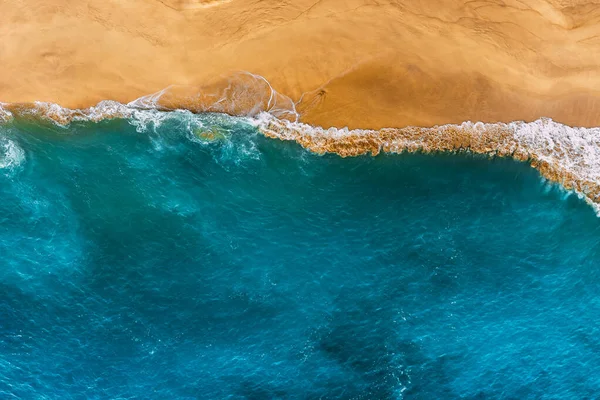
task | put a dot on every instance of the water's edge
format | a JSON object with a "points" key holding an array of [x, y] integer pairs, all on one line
{"points": [[566, 155]]}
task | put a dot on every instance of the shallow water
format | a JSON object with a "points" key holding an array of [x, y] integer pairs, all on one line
{"points": [[155, 260]]}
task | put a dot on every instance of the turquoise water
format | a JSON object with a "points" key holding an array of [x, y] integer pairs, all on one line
{"points": [[139, 260]]}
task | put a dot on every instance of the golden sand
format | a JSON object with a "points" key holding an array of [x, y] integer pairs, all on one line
{"points": [[356, 63]]}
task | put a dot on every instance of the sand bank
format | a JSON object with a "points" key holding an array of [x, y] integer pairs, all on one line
{"points": [[356, 63]]}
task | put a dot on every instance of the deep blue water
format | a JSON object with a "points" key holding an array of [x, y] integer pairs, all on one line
{"points": [[152, 263]]}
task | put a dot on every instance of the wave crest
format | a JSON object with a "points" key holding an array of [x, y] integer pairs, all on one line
{"points": [[563, 154], [11, 155], [62, 116]]}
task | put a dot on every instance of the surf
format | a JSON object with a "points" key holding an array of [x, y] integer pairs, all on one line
{"points": [[566, 155]]}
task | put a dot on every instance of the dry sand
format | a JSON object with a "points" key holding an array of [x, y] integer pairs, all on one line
{"points": [[356, 63]]}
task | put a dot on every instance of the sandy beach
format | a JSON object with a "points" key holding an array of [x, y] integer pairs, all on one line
{"points": [[357, 63]]}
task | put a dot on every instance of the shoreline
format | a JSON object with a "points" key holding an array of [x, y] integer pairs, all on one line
{"points": [[569, 156]]}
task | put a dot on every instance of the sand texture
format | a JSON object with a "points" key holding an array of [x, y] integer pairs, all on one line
{"points": [[356, 63]]}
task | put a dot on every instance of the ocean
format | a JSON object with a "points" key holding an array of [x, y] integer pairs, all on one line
{"points": [[180, 256]]}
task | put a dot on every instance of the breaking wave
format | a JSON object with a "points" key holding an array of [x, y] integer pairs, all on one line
{"points": [[566, 155], [11, 155]]}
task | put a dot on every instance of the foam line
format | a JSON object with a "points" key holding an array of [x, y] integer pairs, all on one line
{"points": [[566, 155]]}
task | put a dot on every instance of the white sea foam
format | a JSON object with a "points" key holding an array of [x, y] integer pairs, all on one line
{"points": [[11, 155], [5, 115]]}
